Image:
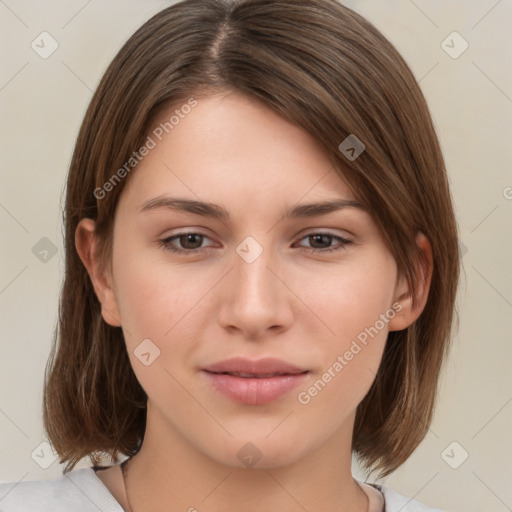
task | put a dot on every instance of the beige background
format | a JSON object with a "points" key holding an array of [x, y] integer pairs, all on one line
{"points": [[43, 102]]}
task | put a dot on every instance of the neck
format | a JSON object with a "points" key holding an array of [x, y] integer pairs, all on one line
{"points": [[173, 475]]}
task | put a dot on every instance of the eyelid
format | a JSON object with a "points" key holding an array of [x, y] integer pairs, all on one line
{"points": [[342, 233]]}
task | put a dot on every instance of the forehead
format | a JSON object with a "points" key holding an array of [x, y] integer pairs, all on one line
{"points": [[231, 148]]}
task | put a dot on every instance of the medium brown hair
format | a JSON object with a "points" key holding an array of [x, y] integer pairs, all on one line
{"points": [[325, 68]]}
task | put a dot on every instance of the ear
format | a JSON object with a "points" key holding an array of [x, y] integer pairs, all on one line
{"points": [[85, 242], [407, 315]]}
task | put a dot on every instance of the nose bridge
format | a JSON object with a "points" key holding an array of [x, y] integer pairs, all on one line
{"points": [[256, 298], [255, 281]]}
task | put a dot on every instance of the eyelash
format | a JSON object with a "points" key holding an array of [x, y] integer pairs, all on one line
{"points": [[166, 243]]}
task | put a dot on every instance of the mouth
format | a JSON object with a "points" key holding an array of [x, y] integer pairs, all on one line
{"points": [[255, 375], [264, 367], [254, 382]]}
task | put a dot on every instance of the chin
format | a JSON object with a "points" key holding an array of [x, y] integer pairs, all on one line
{"points": [[259, 452]]}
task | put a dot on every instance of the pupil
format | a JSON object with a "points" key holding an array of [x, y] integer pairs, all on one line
{"points": [[190, 238], [317, 237]]}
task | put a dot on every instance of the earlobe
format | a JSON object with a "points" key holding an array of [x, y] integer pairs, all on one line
{"points": [[410, 312], [85, 242]]}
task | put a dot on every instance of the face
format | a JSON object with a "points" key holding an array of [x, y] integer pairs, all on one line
{"points": [[255, 326]]}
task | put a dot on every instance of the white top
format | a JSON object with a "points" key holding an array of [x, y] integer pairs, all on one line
{"points": [[81, 490]]}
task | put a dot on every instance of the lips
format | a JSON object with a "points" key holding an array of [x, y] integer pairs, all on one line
{"points": [[251, 375], [254, 382], [267, 366]]}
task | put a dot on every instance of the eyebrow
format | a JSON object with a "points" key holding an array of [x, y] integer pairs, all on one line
{"points": [[216, 211]]}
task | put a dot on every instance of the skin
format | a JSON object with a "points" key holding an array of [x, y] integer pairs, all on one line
{"points": [[289, 303]]}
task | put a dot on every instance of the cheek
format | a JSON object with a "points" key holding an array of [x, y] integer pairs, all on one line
{"points": [[161, 304], [152, 295], [164, 303], [355, 307], [351, 298]]}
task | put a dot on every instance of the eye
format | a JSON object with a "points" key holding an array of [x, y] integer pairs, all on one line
{"points": [[323, 239], [192, 243]]}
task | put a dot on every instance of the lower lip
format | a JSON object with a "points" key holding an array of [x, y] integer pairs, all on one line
{"points": [[254, 391]]}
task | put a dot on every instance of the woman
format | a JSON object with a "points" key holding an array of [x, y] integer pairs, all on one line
{"points": [[261, 269]]}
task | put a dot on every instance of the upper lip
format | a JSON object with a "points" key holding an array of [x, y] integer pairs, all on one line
{"points": [[265, 366]]}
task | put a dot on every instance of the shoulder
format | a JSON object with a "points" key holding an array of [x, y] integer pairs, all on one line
{"points": [[79, 490], [396, 502]]}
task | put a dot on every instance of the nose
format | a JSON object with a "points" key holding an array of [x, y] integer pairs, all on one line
{"points": [[255, 298]]}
